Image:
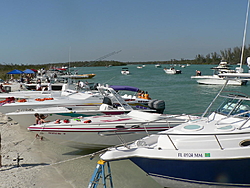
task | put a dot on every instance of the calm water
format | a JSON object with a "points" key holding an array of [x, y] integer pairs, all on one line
{"points": [[181, 94]]}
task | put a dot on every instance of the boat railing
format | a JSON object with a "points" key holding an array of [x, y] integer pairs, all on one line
{"points": [[237, 120]]}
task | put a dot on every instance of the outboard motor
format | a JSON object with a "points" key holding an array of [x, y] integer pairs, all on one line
{"points": [[158, 105]]}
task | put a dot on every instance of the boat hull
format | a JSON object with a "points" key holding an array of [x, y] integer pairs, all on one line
{"points": [[94, 138], [215, 80], [197, 173]]}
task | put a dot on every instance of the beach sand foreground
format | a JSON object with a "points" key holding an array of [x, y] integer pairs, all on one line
{"points": [[34, 169]]}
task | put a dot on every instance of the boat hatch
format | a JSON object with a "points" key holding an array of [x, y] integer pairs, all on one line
{"points": [[226, 128], [192, 127]]}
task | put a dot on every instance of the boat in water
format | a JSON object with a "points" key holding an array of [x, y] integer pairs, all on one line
{"points": [[217, 78], [78, 76], [172, 70], [157, 65], [125, 71]]}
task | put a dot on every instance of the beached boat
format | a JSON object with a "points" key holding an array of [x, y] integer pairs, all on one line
{"points": [[26, 94], [217, 78], [108, 130], [172, 70], [112, 104], [87, 99], [125, 71]]}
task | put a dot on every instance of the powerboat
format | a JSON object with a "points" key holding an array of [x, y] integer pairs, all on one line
{"points": [[87, 99], [27, 94], [80, 99], [217, 78], [157, 65], [214, 148], [106, 130], [125, 71], [78, 76], [172, 70], [113, 104], [212, 151]]}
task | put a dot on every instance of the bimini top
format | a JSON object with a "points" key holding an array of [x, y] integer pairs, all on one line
{"points": [[128, 88]]}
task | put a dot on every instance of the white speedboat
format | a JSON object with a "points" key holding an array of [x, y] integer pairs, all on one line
{"points": [[86, 99], [113, 104], [27, 94], [108, 130], [212, 151], [172, 70], [157, 65], [217, 78], [78, 76], [125, 71]]}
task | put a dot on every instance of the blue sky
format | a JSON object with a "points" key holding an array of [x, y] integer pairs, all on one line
{"points": [[44, 31]]}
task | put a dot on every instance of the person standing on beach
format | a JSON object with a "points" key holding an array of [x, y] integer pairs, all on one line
{"points": [[42, 119], [37, 117], [49, 86]]}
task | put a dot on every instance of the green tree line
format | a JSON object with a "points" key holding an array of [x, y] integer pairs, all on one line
{"points": [[230, 55]]}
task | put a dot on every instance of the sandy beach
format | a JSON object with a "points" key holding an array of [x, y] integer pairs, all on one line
{"points": [[46, 164]]}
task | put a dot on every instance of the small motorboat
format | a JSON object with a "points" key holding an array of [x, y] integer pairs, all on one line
{"points": [[217, 78], [125, 71], [172, 70], [158, 65]]}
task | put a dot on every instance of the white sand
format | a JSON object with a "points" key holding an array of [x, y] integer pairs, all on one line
{"points": [[34, 168]]}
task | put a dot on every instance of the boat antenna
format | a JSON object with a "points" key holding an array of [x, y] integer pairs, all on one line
{"points": [[69, 57], [104, 57], [244, 36]]}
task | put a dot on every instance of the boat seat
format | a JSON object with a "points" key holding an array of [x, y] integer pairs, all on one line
{"points": [[105, 107], [144, 115]]}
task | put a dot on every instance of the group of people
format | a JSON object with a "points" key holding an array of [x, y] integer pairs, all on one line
{"points": [[198, 73], [39, 87], [143, 95], [40, 118], [81, 85], [2, 90]]}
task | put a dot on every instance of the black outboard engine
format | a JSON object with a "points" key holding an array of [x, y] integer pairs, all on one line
{"points": [[158, 105]]}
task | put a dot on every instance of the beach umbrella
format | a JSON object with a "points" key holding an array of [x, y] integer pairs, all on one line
{"points": [[34, 70], [15, 72], [29, 71]]}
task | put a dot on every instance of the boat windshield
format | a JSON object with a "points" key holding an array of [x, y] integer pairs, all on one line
{"points": [[235, 107]]}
